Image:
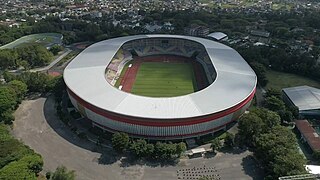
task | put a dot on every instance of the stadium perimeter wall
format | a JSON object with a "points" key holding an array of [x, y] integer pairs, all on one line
{"points": [[159, 128]]}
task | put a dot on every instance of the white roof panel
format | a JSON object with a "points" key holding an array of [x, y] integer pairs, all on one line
{"points": [[217, 35], [304, 97], [85, 76]]}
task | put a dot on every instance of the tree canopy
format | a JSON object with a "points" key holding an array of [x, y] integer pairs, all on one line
{"points": [[17, 161], [19, 87], [7, 99], [216, 144], [274, 145], [26, 56], [120, 141], [62, 173]]}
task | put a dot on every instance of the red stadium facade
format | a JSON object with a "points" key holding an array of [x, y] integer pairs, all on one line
{"points": [[225, 117]]}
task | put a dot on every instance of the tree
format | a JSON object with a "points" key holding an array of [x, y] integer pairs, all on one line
{"points": [[286, 115], [269, 118], [8, 99], [164, 151], [181, 147], [16, 170], [120, 141], [8, 76], [56, 49], [229, 139], [34, 162], [56, 85], [36, 82], [7, 116], [35, 55], [12, 150], [250, 126], [62, 173], [273, 92], [24, 64], [260, 70], [139, 147], [294, 110], [274, 104], [149, 150], [8, 59], [48, 175], [25, 168], [216, 144], [292, 163], [20, 88], [278, 153]]}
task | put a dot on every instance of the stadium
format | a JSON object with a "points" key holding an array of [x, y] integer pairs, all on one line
{"points": [[160, 86]]}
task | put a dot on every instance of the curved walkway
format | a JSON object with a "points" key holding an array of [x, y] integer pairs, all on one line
{"points": [[37, 126]]}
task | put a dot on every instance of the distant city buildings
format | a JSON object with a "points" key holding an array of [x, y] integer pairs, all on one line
{"points": [[259, 36], [133, 15]]}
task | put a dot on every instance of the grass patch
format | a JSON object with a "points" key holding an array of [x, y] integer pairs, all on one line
{"points": [[158, 79], [280, 80]]}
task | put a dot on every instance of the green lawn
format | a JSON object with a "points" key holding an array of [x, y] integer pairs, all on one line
{"points": [[158, 79], [45, 39], [279, 80]]}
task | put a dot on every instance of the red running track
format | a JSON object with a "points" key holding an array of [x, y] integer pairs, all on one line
{"points": [[130, 75]]}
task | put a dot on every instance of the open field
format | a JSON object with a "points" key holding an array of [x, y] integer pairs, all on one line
{"points": [[279, 80], [45, 39], [158, 79]]}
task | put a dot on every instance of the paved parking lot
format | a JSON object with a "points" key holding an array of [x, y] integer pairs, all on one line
{"points": [[37, 126]]}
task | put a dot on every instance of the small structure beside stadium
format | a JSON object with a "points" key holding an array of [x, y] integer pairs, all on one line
{"points": [[218, 36], [308, 134], [305, 98], [197, 152], [160, 86]]}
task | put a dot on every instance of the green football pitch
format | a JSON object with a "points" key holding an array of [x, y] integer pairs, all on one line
{"points": [[159, 79]]}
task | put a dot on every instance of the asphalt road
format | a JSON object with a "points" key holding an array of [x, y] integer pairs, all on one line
{"points": [[37, 126]]}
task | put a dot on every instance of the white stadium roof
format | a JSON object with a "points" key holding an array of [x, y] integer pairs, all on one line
{"points": [[235, 81], [304, 97]]}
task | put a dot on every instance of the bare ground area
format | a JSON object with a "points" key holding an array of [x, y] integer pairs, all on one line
{"points": [[37, 126]]}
